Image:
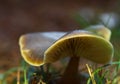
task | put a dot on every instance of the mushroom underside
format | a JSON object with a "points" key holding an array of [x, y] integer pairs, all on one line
{"points": [[94, 48]]}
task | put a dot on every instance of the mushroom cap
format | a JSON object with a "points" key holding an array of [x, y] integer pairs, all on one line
{"points": [[100, 30], [80, 44], [33, 46]]}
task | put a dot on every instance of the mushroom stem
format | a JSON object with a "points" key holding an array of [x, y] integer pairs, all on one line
{"points": [[71, 73]]}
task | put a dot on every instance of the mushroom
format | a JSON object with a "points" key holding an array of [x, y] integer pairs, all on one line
{"points": [[33, 46], [77, 44], [92, 44]]}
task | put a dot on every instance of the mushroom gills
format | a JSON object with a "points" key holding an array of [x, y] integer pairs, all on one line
{"points": [[80, 44]]}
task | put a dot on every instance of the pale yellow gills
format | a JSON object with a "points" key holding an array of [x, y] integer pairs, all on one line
{"points": [[33, 46], [100, 30], [80, 44]]}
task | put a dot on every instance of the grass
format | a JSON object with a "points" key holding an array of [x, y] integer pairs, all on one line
{"points": [[100, 75], [96, 77]]}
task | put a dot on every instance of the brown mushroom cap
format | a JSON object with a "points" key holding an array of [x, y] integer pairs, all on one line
{"points": [[80, 44], [33, 46]]}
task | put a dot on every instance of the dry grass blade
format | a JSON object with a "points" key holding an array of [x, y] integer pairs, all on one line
{"points": [[91, 74]]}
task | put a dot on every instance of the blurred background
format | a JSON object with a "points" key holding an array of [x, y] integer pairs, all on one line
{"points": [[18, 17]]}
